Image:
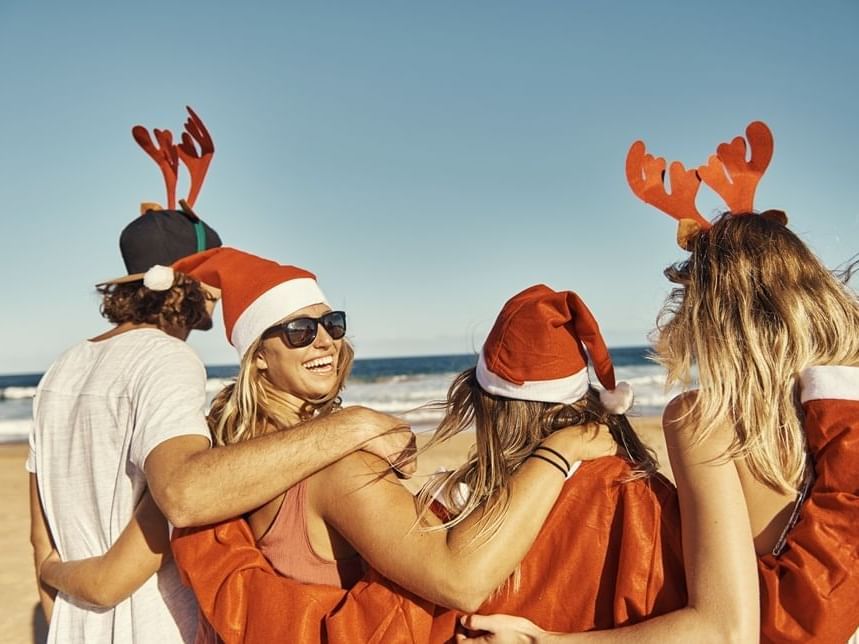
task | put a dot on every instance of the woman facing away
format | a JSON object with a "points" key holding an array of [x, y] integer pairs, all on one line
{"points": [[775, 339]]}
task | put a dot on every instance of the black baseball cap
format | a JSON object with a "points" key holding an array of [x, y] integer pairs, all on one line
{"points": [[162, 237]]}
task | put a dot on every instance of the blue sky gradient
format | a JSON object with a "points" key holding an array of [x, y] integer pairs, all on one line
{"points": [[426, 160]]}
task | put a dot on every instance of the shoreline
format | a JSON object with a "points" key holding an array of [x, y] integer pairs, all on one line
{"points": [[21, 618]]}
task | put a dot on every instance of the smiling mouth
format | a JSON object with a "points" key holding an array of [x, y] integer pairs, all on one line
{"points": [[322, 365]]}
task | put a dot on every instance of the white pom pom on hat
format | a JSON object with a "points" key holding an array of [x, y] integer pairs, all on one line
{"points": [[538, 350], [617, 400], [158, 278]]}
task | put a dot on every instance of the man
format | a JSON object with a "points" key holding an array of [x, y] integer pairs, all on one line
{"points": [[123, 412]]}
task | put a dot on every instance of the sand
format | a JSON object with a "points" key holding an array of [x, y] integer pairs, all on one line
{"points": [[20, 618]]}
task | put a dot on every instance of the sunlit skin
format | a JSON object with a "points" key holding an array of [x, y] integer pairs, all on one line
{"points": [[303, 374]]}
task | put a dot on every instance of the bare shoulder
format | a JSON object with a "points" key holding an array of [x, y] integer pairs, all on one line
{"points": [[354, 472], [676, 413], [684, 429]]}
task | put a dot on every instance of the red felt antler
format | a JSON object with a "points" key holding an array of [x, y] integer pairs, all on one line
{"points": [[196, 162], [164, 155], [731, 176], [646, 176]]}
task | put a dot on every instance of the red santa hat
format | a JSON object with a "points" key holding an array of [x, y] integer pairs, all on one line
{"points": [[256, 292], [537, 351]]}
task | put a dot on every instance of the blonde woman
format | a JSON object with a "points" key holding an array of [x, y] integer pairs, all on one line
{"points": [[774, 336]]}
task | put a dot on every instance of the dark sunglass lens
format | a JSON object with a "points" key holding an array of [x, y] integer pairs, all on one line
{"points": [[335, 324], [300, 332]]}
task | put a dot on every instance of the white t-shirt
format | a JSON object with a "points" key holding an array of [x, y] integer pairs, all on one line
{"points": [[98, 412]]}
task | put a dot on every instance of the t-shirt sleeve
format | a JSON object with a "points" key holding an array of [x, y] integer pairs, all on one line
{"points": [[31, 440], [31, 453], [169, 399]]}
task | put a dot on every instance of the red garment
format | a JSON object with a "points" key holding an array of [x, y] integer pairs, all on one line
{"points": [[810, 593], [608, 555], [601, 560]]}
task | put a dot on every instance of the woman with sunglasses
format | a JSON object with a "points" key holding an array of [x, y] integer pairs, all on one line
{"points": [[294, 359]]}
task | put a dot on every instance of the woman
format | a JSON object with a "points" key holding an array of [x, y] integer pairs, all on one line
{"points": [[761, 319], [614, 513]]}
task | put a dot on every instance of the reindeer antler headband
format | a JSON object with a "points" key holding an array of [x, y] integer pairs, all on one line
{"points": [[727, 172], [167, 155]]}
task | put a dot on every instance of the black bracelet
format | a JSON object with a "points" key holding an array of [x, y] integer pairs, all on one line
{"points": [[556, 453], [550, 462]]}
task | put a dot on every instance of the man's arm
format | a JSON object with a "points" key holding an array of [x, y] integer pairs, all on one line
{"points": [[195, 485]]}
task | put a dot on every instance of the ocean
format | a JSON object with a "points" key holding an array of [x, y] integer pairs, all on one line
{"points": [[399, 386]]}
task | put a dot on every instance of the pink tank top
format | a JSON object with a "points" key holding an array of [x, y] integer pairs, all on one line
{"points": [[287, 546]]}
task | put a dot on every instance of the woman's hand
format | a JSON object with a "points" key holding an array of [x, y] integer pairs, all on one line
{"points": [[500, 629], [582, 442]]}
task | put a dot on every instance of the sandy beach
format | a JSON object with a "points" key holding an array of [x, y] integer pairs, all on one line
{"points": [[20, 621]]}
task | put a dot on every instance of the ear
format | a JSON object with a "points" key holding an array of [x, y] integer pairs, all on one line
{"points": [[259, 361]]}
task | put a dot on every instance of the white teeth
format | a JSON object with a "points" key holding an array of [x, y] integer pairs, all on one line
{"points": [[319, 362]]}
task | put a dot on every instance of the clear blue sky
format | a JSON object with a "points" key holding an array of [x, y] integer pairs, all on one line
{"points": [[426, 160]]}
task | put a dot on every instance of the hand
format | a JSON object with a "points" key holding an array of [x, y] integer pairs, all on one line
{"points": [[391, 438], [500, 629], [582, 442]]}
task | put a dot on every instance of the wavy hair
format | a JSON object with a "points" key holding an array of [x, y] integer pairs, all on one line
{"points": [[252, 406], [182, 307], [753, 308], [507, 431]]}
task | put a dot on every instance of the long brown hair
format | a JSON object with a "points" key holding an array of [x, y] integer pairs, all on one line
{"points": [[752, 309], [252, 406], [507, 431]]}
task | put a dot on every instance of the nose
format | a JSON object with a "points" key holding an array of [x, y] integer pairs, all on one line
{"points": [[323, 340]]}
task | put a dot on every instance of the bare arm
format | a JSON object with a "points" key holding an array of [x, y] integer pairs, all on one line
{"points": [[194, 485], [43, 545], [719, 556], [138, 553], [377, 515]]}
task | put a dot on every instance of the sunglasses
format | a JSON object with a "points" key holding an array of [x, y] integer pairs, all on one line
{"points": [[300, 332]]}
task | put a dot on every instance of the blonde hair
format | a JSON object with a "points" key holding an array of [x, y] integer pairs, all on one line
{"points": [[251, 406], [754, 307], [507, 431]]}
